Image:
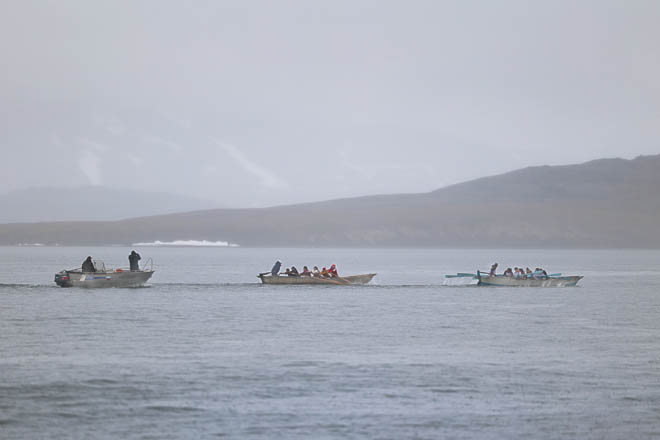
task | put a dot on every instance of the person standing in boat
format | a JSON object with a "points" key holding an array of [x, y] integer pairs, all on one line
{"points": [[276, 268], [133, 259], [88, 265]]}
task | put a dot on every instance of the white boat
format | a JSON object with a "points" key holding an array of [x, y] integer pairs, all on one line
{"points": [[543, 281], [104, 278], [552, 280]]}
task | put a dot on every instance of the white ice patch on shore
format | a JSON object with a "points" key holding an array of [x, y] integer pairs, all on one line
{"points": [[196, 243]]}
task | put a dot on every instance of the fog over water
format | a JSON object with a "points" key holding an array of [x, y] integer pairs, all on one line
{"points": [[262, 103]]}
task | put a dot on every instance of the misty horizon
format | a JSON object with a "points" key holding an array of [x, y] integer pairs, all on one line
{"points": [[268, 104]]}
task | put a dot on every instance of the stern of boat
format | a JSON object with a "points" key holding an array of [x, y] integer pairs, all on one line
{"points": [[63, 279]]}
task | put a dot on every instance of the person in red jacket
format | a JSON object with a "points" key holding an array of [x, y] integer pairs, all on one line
{"points": [[333, 271]]}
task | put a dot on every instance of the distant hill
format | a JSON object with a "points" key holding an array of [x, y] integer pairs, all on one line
{"points": [[609, 203], [90, 203]]}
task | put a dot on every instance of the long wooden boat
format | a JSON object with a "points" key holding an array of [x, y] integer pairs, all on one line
{"points": [[549, 281], [337, 281]]}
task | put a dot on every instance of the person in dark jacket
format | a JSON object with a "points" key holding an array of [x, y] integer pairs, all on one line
{"points": [[133, 260], [276, 268], [88, 265]]}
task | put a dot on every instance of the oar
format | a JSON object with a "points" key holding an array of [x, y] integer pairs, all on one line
{"points": [[338, 280]]}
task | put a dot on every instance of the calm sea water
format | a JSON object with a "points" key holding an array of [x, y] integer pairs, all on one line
{"points": [[206, 352]]}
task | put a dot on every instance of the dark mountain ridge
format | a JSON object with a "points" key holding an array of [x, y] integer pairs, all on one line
{"points": [[608, 203]]}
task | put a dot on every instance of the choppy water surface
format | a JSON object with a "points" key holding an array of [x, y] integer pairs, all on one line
{"points": [[207, 352]]}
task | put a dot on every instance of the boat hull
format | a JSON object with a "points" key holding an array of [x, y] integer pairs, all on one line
{"points": [[339, 281], [569, 281], [96, 280]]}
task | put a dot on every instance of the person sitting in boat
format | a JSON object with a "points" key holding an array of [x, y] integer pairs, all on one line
{"points": [[287, 272], [516, 272], [276, 268], [528, 272], [294, 272], [508, 272], [88, 265], [325, 273], [493, 268], [316, 272], [133, 259], [333, 271], [305, 272], [540, 273]]}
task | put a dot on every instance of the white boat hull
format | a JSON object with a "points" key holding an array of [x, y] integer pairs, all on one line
{"points": [[568, 281]]}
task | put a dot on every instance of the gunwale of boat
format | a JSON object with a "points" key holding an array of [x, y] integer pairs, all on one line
{"points": [[350, 280], [501, 281]]}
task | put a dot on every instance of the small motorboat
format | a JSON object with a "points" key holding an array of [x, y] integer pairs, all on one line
{"points": [[102, 277], [267, 278]]}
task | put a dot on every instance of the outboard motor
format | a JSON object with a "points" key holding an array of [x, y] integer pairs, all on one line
{"points": [[62, 279]]}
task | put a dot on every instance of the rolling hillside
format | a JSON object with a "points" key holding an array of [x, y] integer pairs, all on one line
{"points": [[608, 203]]}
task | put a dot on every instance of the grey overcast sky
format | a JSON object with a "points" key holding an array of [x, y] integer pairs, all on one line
{"points": [[254, 103]]}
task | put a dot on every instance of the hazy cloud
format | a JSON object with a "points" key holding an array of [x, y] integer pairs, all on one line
{"points": [[352, 98], [156, 140], [267, 178], [88, 162]]}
